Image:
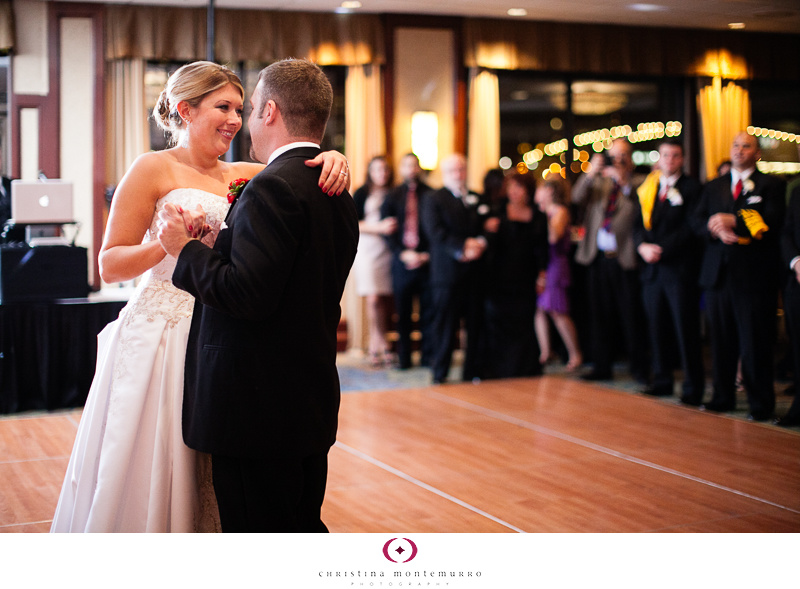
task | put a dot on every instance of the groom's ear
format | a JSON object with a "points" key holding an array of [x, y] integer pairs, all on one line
{"points": [[270, 112]]}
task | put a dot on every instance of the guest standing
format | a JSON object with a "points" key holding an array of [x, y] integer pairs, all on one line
{"points": [[516, 263], [372, 267], [410, 260], [452, 219], [607, 194], [740, 216], [668, 247], [790, 243], [551, 198]]}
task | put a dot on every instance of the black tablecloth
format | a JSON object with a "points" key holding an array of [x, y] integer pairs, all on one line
{"points": [[48, 352]]}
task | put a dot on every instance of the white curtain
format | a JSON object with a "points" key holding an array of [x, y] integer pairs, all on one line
{"points": [[483, 146], [365, 137], [127, 124]]}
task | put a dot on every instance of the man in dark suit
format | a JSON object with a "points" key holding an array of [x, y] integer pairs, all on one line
{"points": [[790, 249], [740, 216], [667, 245], [606, 194], [261, 386], [410, 257], [452, 219]]}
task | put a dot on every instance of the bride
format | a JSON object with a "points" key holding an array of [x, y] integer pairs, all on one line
{"points": [[129, 470]]}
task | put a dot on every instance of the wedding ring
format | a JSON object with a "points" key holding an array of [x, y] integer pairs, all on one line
{"points": [[343, 173]]}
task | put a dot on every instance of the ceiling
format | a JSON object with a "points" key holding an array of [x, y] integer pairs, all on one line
{"points": [[757, 15]]}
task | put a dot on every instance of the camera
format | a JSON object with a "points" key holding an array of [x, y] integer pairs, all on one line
{"points": [[607, 159]]}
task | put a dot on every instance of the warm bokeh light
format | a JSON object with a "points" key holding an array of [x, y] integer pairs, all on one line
{"points": [[773, 134], [425, 138]]}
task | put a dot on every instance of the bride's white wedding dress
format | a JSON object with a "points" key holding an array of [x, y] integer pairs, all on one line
{"points": [[130, 470]]}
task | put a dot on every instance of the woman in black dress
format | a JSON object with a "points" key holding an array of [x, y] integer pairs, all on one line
{"points": [[516, 269]]}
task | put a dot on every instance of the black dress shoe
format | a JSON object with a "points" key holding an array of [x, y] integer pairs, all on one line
{"points": [[718, 406], [788, 420], [686, 400], [759, 416], [592, 376], [439, 380], [656, 392]]}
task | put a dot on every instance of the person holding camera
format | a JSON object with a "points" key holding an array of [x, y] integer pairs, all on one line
{"points": [[606, 194]]}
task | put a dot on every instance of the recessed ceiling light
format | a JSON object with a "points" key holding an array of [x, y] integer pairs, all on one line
{"points": [[735, 25], [647, 7], [517, 12], [348, 6]]}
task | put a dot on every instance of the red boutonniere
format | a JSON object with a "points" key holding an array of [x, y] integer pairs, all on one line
{"points": [[235, 188]]}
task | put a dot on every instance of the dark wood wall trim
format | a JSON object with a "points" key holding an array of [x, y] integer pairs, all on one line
{"points": [[19, 102], [57, 12]]}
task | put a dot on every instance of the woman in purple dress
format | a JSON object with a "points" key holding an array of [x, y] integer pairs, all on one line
{"points": [[551, 199]]}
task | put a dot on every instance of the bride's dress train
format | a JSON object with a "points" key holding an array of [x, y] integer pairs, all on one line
{"points": [[130, 470]]}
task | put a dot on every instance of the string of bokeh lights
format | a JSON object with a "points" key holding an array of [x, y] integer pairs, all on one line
{"points": [[601, 139]]}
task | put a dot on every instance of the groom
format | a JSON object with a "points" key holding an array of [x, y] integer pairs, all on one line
{"points": [[261, 391]]}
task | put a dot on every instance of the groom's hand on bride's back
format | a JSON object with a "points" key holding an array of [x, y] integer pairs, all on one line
{"points": [[173, 228]]}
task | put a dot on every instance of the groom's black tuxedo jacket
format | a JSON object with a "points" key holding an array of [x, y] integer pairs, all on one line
{"points": [[756, 265], [260, 370]]}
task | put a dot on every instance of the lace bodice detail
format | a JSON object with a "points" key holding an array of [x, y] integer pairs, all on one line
{"points": [[156, 296], [216, 207]]}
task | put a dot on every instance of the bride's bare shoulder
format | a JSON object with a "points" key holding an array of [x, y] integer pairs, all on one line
{"points": [[153, 163], [245, 169]]}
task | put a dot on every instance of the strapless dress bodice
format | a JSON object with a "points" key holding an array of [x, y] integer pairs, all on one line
{"points": [[156, 296]]}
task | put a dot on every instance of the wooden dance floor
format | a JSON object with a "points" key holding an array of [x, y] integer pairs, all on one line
{"points": [[549, 454]]}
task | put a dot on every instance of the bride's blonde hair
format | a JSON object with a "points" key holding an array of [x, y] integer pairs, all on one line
{"points": [[190, 83]]}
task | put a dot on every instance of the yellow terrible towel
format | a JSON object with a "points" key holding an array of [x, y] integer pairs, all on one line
{"points": [[647, 192]]}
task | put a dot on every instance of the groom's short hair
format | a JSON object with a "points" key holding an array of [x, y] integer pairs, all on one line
{"points": [[303, 94]]}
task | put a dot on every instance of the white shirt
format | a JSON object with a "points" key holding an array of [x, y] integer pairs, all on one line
{"points": [[288, 146], [668, 181], [743, 176]]}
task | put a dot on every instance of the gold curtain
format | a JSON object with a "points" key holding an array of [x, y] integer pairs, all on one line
{"points": [[6, 25], [149, 32], [365, 137], [724, 112], [127, 120], [483, 124]]}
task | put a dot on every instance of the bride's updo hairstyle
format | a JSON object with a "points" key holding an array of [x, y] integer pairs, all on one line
{"points": [[191, 83]]}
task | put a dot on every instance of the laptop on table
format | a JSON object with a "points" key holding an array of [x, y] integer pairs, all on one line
{"points": [[41, 203]]}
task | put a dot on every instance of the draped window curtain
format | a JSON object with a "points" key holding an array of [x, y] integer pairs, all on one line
{"points": [[6, 25], [127, 119], [483, 124], [365, 137], [724, 112], [158, 32]]}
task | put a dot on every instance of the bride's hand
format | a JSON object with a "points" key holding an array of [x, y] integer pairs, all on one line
{"points": [[195, 222], [334, 177]]}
